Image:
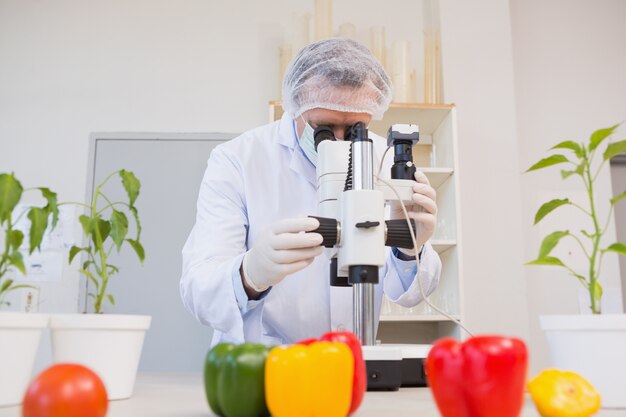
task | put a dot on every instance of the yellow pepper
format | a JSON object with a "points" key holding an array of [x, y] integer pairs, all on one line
{"points": [[559, 393], [309, 381]]}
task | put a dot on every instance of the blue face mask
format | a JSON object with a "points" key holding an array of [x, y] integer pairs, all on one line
{"points": [[307, 143]]}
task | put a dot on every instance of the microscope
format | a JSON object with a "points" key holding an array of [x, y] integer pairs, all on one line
{"points": [[351, 202]]}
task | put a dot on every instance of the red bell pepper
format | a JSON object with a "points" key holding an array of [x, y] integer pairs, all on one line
{"points": [[360, 376], [483, 377]]}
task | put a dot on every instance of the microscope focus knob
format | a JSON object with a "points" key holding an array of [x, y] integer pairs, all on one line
{"points": [[398, 233], [329, 229]]}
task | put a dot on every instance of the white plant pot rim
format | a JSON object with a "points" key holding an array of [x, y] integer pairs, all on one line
{"points": [[11, 320], [100, 321], [584, 322]]}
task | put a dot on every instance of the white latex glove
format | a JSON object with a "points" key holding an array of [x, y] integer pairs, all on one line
{"points": [[423, 211], [281, 250]]}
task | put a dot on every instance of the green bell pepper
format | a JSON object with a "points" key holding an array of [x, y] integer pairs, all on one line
{"points": [[234, 380]]}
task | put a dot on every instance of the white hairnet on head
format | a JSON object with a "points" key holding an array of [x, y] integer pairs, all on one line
{"points": [[336, 74]]}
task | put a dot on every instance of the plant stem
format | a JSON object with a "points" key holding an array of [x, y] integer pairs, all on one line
{"points": [[111, 205], [73, 203], [98, 245], [5, 255], [608, 219], [596, 241], [103, 262], [580, 208], [581, 245]]}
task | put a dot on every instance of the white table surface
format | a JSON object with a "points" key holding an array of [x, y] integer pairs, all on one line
{"points": [[182, 395]]}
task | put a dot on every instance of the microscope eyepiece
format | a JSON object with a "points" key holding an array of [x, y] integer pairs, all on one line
{"points": [[323, 133], [356, 133]]}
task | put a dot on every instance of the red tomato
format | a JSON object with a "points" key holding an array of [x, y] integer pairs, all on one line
{"points": [[66, 390]]}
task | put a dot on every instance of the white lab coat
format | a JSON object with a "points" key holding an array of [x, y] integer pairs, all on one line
{"points": [[250, 182]]}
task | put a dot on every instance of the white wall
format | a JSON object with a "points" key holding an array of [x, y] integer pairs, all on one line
{"points": [[478, 75], [570, 79], [73, 67]]}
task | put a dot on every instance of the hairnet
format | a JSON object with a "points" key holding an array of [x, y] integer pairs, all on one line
{"points": [[336, 74]]}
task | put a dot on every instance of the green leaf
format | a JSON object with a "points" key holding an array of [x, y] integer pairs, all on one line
{"points": [[75, 250], [17, 261], [587, 234], [10, 194], [52, 207], [565, 174], [114, 269], [618, 198], [38, 223], [549, 261], [568, 144], [599, 135], [548, 207], [87, 263], [549, 161], [119, 227], [87, 223], [133, 210], [105, 228], [131, 185], [17, 287], [5, 285], [617, 248], [111, 299], [614, 149], [550, 242], [15, 239], [141, 254]]}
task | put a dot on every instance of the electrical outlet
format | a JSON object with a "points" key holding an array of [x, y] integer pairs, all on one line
{"points": [[30, 300]]}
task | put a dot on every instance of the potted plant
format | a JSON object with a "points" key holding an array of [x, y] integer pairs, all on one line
{"points": [[109, 344], [591, 344], [19, 332]]}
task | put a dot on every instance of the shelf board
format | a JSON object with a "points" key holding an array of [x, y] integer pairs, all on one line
{"points": [[442, 245], [416, 318], [437, 176]]}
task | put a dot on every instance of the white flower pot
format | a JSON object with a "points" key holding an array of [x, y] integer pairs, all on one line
{"points": [[593, 346], [108, 344], [19, 339]]}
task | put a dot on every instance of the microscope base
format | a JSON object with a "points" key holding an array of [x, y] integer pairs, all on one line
{"points": [[384, 368], [413, 358], [390, 366]]}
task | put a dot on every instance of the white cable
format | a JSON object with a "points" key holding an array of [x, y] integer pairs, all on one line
{"points": [[414, 239]]}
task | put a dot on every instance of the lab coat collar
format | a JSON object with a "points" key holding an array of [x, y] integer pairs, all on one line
{"points": [[286, 132], [299, 162]]}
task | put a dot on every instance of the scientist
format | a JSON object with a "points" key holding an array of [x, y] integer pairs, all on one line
{"points": [[248, 270]]}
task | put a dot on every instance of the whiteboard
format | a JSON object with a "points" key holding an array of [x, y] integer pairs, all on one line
{"points": [[170, 168]]}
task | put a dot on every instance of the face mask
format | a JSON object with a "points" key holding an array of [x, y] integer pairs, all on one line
{"points": [[307, 143]]}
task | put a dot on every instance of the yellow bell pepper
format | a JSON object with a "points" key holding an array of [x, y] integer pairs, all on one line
{"points": [[559, 393], [309, 381]]}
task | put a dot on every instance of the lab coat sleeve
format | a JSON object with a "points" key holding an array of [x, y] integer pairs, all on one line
{"points": [[215, 248], [401, 277]]}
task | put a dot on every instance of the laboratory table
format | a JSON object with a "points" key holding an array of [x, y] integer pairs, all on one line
{"points": [[182, 395]]}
